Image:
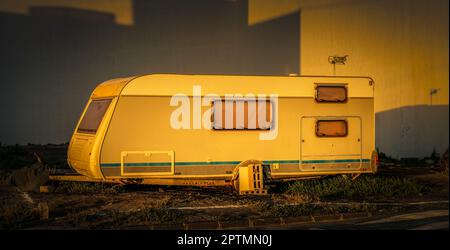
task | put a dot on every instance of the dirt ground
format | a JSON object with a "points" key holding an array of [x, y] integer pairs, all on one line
{"points": [[128, 207]]}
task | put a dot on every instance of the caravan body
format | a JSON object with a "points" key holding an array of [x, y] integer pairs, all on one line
{"points": [[130, 128]]}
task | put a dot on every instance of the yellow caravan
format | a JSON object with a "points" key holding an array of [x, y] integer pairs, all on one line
{"points": [[184, 129]]}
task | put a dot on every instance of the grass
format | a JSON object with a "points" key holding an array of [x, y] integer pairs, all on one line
{"points": [[90, 187], [364, 187], [147, 215], [150, 214], [19, 156], [15, 215], [15, 157], [115, 219], [307, 209], [158, 213]]}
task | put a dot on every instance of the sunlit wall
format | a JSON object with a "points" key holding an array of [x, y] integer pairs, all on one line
{"points": [[402, 44]]}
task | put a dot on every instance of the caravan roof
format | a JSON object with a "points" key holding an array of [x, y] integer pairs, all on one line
{"points": [[283, 86]]}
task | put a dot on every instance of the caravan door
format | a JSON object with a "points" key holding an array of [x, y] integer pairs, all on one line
{"points": [[330, 143]]}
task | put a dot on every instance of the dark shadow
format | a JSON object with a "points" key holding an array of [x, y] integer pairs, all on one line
{"points": [[413, 131], [54, 57]]}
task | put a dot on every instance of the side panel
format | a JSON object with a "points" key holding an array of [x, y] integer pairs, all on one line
{"points": [[143, 124]]}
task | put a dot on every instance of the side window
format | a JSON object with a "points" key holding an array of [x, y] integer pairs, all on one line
{"points": [[331, 94], [331, 128], [241, 115], [93, 116]]}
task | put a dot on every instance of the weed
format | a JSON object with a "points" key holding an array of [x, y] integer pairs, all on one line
{"points": [[363, 187]]}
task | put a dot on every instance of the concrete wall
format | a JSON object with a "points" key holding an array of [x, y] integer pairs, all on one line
{"points": [[51, 59], [121, 9], [56, 52], [402, 44]]}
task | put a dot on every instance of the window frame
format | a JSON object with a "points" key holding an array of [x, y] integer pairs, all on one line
{"points": [[222, 100], [321, 85], [316, 128], [90, 131]]}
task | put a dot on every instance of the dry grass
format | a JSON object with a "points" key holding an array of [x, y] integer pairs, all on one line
{"points": [[16, 215]]}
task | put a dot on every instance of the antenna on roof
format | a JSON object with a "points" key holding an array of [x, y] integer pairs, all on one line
{"points": [[337, 60]]}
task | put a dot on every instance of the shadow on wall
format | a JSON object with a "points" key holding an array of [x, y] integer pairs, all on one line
{"points": [[53, 58], [413, 131]]}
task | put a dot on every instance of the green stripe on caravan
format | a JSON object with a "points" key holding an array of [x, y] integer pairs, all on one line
{"points": [[193, 163]]}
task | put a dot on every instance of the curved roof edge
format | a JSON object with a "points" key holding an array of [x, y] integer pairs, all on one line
{"points": [[283, 86]]}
